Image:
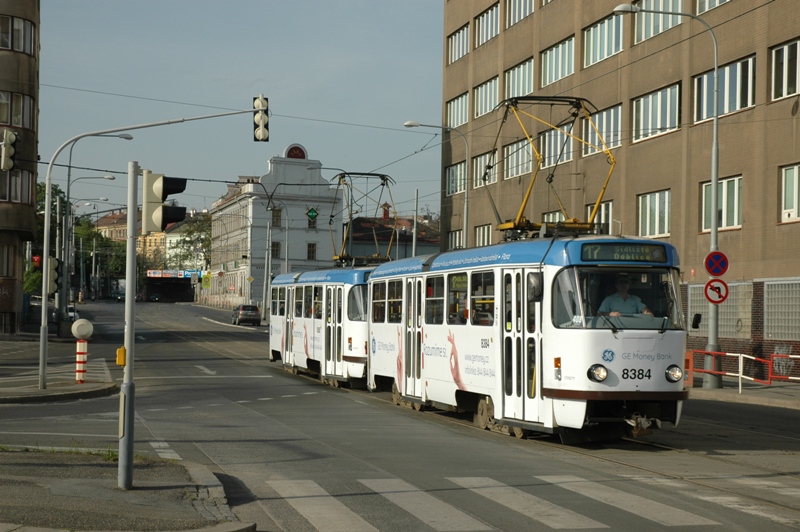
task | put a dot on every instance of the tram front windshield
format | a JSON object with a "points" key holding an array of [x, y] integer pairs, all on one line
{"points": [[619, 298]]}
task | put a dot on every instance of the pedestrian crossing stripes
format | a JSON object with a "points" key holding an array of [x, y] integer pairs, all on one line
{"points": [[96, 371], [327, 513]]}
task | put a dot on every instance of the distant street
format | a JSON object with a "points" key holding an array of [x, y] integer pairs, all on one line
{"points": [[295, 454]]}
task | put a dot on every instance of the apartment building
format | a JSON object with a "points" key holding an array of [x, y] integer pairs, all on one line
{"points": [[19, 95], [649, 80]]}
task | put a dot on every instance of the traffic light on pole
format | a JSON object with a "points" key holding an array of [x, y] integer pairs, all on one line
{"points": [[261, 119], [7, 157], [55, 275], [155, 189]]}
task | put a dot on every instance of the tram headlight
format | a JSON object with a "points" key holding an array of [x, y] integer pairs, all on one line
{"points": [[674, 373], [597, 373]]}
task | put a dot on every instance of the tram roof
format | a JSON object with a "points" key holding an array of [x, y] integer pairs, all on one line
{"points": [[334, 275], [562, 252]]}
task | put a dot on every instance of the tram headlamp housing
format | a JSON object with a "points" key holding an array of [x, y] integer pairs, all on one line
{"points": [[674, 373], [597, 373]]}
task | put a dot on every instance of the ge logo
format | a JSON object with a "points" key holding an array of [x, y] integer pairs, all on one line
{"points": [[608, 355]]}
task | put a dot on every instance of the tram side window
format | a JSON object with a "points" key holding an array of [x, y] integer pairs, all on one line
{"points": [[395, 301], [482, 298], [457, 312], [298, 302], [308, 295], [357, 303], [434, 300], [378, 302], [281, 302], [318, 302]]}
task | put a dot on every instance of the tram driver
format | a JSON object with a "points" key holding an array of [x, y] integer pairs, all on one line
{"points": [[621, 302]]}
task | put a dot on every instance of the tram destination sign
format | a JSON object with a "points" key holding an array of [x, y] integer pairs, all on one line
{"points": [[618, 252]]}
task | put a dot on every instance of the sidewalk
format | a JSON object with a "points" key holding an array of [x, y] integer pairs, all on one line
{"points": [[49, 490]]}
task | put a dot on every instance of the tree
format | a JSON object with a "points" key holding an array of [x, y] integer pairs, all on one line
{"points": [[194, 247], [56, 193]]}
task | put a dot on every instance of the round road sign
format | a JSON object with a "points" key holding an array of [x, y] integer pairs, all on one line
{"points": [[716, 291], [716, 263]]}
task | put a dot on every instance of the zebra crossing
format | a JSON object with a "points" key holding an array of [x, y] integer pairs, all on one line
{"points": [[328, 512]]}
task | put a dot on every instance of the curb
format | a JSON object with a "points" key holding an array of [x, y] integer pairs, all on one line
{"points": [[46, 397]]}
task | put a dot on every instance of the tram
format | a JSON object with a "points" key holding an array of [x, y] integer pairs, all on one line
{"points": [[518, 334], [318, 323]]}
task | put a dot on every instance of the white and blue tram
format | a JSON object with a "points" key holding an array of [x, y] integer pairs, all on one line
{"points": [[515, 334], [318, 323]]}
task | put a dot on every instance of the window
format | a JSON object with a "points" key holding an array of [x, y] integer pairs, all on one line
{"points": [[553, 217], [395, 301], [729, 203], [656, 113], [311, 251], [17, 34], [454, 240], [736, 89], [603, 215], [8, 254], [483, 235], [456, 178], [484, 172], [482, 299], [434, 299], [276, 217], [458, 111], [457, 298], [781, 312], [602, 40], [487, 25], [791, 193], [17, 186], [16, 110], [312, 224], [276, 250], [519, 79], [378, 302], [785, 70], [651, 24], [558, 62], [458, 44], [486, 97], [706, 5], [556, 146], [654, 214], [517, 159], [517, 10], [609, 125]]}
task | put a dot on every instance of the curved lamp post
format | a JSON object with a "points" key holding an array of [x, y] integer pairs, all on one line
{"points": [[709, 380], [467, 164]]}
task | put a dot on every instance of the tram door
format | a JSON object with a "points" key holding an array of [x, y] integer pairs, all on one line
{"points": [[333, 331], [517, 364], [413, 337], [288, 357]]}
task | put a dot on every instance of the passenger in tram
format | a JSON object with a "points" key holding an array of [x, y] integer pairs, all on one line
{"points": [[621, 302]]}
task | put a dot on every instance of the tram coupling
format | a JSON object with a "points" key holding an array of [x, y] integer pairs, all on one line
{"points": [[642, 425]]}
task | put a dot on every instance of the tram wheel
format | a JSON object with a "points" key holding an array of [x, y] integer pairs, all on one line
{"points": [[417, 406], [481, 416], [334, 382], [294, 370], [395, 394], [519, 433]]}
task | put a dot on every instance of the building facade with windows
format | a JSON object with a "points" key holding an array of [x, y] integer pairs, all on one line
{"points": [[649, 78], [264, 223], [19, 94]]}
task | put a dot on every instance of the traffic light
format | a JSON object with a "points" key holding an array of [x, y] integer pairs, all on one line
{"points": [[55, 275], [261, 119], [7, 158], [155, 189]]}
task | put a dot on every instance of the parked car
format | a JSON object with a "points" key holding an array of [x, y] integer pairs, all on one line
{"points": [[72, 314], [155, 298], [246, 314]]}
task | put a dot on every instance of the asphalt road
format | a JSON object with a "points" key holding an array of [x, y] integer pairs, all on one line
{"points": [[294, 454]]}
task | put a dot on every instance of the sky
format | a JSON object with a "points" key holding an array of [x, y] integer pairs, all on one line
{"points": [[341, 76]]}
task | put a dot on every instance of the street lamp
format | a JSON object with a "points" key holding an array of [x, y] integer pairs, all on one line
{"points": [[709, 380], [465, 230], [89, 202]]}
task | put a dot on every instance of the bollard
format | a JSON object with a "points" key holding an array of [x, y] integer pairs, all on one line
{"points": [[81, 354]]}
